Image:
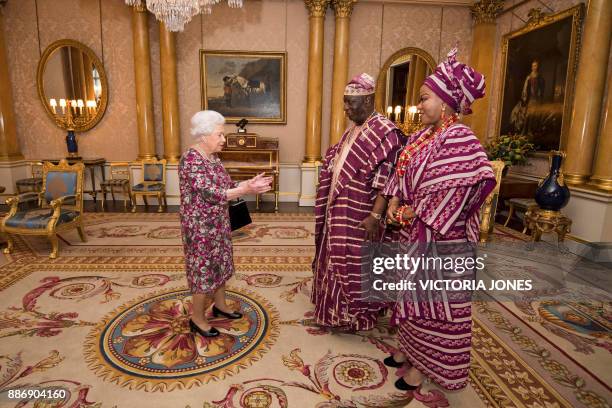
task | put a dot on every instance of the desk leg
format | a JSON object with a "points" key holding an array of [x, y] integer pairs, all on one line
{"points": [[276, 191], [103, 175], [92, 173], [510, 212]]}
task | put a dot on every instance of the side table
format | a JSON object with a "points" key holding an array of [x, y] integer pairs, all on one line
{"points": [[545, 221]]}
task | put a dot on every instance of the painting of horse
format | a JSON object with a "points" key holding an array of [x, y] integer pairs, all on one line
{"points": [[244, 84]]}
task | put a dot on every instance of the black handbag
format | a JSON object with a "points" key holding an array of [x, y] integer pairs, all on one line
{"points": [[239, 214]]}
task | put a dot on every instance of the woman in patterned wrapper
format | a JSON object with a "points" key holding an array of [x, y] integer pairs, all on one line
{"points": [[206, 189], [440, 181]]}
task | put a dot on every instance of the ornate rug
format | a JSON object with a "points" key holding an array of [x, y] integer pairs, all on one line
{"points": [[105, 325]]}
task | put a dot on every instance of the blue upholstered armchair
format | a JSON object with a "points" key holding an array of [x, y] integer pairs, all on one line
{"points": [[153, 183], [60, 206]]}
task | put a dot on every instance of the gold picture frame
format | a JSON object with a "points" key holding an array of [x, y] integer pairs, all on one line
{"points": [[245, 84], [546, 120]]}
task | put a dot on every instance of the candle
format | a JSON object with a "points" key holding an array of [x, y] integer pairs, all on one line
{"points": [[80, 105], [389, 111], [63, 105], [53, 104], [413, 112], [398, 111], [73, 105]]}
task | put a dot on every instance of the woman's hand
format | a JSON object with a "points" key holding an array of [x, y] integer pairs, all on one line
{"points": [[407, 214], [257, 185], [392, 209]]}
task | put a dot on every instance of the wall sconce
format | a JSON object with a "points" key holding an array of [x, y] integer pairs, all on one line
{"points": [[412, 120], [74, 112]]}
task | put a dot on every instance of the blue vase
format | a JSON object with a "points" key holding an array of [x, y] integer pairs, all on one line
{"points": [[71, 144], [552, 193]]}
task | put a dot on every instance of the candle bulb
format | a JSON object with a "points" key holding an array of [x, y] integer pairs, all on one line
{"points": [[73, 105], [389, 111], [80, 105], [398, 111], [63, 106], [413, 112], [53, 104]]}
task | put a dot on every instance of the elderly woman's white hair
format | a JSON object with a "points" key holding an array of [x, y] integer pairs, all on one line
{"points": [[203, 123]]}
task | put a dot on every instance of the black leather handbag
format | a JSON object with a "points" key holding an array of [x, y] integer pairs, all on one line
{"points": [[239, 214]]}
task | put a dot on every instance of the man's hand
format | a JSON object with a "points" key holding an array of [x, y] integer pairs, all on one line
{"points": [[371, 226]]}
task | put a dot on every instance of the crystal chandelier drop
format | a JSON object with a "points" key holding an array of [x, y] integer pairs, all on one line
{"points": [[176, 13]]}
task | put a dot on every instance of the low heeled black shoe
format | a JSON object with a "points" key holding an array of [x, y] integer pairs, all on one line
{"points": [[404, 386], [390, 362], [232, 315], [205, 333]]}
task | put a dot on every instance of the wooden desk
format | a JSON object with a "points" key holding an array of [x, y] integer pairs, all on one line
{"points": [[247, 154], [514, 188], [90, 164]]}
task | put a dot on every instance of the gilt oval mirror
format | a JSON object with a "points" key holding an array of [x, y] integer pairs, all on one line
{"points": [[399, 80], [72, 85]]}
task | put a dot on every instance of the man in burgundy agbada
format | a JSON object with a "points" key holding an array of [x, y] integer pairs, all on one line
{"points": [[349, 207]]}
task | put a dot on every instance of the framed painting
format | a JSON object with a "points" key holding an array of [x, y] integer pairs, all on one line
{"points": [[539, 67], [245, 84]]}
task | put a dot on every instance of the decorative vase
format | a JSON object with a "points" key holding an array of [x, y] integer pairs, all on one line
{"points": [[552, 194], [71, 144]]}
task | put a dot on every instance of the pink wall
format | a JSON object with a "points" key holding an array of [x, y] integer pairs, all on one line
{"points": [[377, 30]]}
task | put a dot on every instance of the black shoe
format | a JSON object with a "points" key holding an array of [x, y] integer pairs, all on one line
{"points": [[196, 329], [390, 362], [404, 386], [233, 315]]}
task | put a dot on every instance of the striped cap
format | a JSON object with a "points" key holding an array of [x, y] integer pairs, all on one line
{"points": [[362, 84], [456, 84]]}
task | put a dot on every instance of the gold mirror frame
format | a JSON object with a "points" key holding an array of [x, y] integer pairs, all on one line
{"points": [[100, 68], [381, 82]]}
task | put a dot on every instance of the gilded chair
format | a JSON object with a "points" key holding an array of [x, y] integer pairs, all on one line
{"points": [[487, 211], [153, 183], [120, 181], [60, 206], [32, 183]]}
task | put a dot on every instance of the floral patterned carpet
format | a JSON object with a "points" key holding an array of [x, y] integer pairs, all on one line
{"points": [[107, 323]]}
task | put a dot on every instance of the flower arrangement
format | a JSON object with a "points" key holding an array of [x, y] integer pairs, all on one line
{"points": [[511, 149]]}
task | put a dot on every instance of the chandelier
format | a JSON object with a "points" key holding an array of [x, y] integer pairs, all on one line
{"points": [[176, 13]]}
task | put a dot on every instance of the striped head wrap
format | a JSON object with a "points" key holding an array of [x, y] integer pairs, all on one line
{"points": [[457, 84]]}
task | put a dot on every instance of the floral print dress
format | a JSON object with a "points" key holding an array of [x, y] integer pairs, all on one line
{"points": [[205, 225]]}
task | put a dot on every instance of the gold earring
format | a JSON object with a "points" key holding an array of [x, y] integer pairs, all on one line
{"points": [[443, 114]]}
